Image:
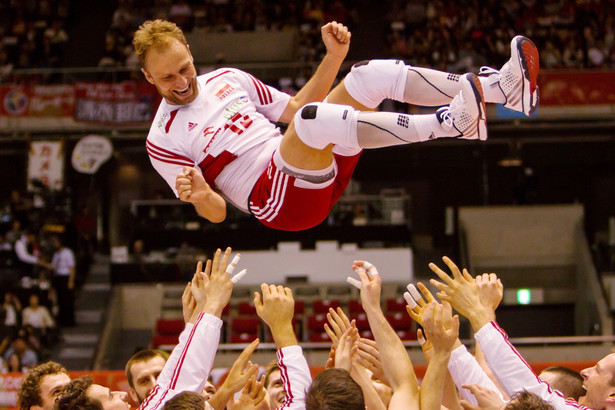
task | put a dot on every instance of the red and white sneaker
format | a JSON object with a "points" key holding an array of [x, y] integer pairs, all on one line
{"points": [[518, 77], [466, 113]]}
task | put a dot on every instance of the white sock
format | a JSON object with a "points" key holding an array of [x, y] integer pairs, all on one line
{"points": [[384, 129]]}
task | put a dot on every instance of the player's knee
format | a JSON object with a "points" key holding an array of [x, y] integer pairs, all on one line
{"points": [[371, 81], [321, 124]]}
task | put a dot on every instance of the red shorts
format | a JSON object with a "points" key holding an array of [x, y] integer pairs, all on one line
{"points": [[278, 203]]}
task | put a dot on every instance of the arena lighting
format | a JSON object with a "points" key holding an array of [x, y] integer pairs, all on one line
{"points": [[524, 296]]}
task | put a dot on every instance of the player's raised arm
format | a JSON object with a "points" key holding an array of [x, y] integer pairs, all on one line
{"points": [[336, 38], [395, 361]]}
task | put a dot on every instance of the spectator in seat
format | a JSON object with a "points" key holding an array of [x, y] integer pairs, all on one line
{"points": [[38, 317], [26, 355]]}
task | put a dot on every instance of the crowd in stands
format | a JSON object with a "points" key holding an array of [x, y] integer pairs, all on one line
{"points": [[32, 34], [39, 274], [464, 35], [455, 37], [225, 16], [360, 373]]}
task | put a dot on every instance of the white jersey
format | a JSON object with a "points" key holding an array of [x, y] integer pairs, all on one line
{"points": [[295, 375], [189, 364], [226, 132], [464, 369], [512, 372]]}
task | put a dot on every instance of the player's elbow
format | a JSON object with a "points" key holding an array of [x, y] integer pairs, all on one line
{"points": [[216, 218]]}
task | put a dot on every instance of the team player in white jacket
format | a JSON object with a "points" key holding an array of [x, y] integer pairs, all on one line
{"points": [[190, 362], [511, 371], [212, 138]]}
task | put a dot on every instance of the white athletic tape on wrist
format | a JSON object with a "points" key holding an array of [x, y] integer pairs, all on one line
{"points": [[354, 282], [409, 300], [415, 293], [231, 267], [371, 269], [239, 276]]}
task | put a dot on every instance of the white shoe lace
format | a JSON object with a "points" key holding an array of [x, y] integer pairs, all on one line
{"points": [[447, 119]]}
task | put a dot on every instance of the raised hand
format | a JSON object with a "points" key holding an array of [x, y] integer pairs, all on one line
{"points": [[188, 303], [336, 38], [463, 293], [370, 285], [441, 327], [252, 396], [486, 398], [369, 357], [191, 185], [239, 375], [338, 324], [276, 307], [219, 286], [420, 303], [200, 281], [491, 290]]}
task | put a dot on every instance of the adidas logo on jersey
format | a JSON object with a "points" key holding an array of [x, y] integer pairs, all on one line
{"points": [[191, 126]]}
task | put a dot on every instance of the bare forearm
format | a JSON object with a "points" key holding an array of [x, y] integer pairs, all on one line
{"points": [[435, 376], [220, 398], [213, 208], [283, 335], [372, 400], [395, 361], [317, 88]]}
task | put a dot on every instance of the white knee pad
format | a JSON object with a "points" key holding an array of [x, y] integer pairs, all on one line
{"points": [[370, 82], [321, 124]]}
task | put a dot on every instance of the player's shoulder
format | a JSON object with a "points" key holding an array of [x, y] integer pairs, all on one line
{"points": [[223, 72]]}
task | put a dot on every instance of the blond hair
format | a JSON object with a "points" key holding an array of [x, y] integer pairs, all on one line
{"points": [[155, 34]]}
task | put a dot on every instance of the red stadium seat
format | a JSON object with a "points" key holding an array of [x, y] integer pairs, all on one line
{"points": [[319, 337], [167, 332], [406, 334], [400, 321], [355, 307], [316, 322], [366, 334], [322, 306], [246, 308], [243, 329], [245, 324], [164, 340], [396, 305], [362, 322], [169, 326], [243, 337], [299, 308]]}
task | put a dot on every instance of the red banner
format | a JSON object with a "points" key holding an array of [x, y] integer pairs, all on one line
{"points": [[125, 102], [115, 103], [576, 88], [37, 101]]}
